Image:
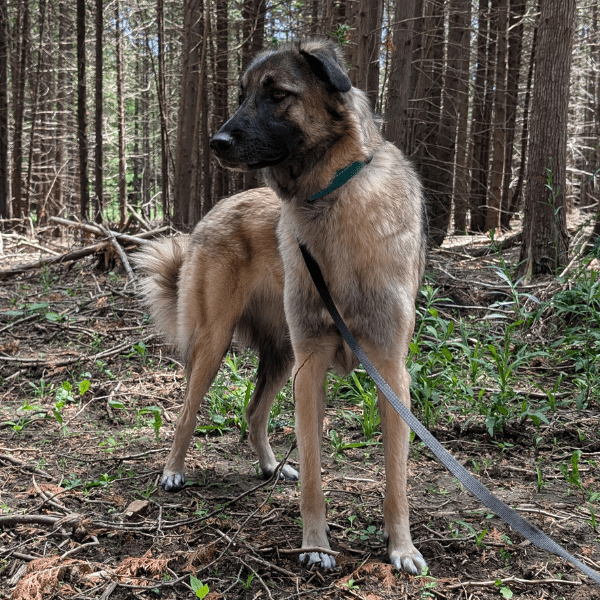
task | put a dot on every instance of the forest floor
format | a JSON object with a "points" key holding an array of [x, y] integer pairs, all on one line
{"points": [[89, 397]]}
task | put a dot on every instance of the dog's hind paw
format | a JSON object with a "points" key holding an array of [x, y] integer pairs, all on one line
{"points": [[172, 482], [412, 563], [327, 561]]}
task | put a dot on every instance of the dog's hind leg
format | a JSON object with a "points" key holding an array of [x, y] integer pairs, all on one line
{"points": [[396, 434], [201, 370], [273, 371]]}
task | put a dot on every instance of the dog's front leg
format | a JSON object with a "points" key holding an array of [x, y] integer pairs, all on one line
{"points": [[309, 397], [396, 435]]}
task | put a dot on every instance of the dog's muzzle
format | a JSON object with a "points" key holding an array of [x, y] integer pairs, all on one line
{"points": [[222, 144]]}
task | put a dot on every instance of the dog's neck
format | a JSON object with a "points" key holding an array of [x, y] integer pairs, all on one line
{"points": [[314, 173]]}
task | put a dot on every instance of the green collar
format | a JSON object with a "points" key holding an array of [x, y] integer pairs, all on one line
{"points": [[341, 177]]}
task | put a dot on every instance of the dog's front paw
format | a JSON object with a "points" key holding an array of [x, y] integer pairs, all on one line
{"points": [[172, 482], [411, 561], [287, 473], [327, 561]]}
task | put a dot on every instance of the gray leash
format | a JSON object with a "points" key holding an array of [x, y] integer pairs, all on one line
{"points": [[518, 523]]}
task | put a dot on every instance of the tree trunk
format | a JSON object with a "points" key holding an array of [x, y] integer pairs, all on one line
{"points": [[481, 119], [398, 88], [545, 238], [19, 77], [516, 197], [84, 198], [436, 142], [515, 43], [3, 110], [369, 44], [121, 119], [221, 113], [98, 173], [492, 221], [192, 36], [162, 102], [460, 36]]}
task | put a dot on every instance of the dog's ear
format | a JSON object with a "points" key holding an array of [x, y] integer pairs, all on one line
{"points": [[327, 69]]}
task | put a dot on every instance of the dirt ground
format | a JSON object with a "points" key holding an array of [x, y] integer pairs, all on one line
{"points": [[73, 458]]}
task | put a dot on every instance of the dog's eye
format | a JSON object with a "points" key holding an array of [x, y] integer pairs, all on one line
{"points": [[279, 95]]}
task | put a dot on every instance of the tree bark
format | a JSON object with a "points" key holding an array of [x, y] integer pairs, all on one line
{"points": [[3, 110], [500, 20], [121, 119], [98, 154], [162, 102], [84, 192], [221, 93], [460, 36], [515, 43], [481, 118], [187, 113], [399, 82], [436, 142], [19, 76], [369, 44], [545, 238]]}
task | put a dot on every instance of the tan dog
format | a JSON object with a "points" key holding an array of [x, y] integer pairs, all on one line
{"points": [[301, 121]]}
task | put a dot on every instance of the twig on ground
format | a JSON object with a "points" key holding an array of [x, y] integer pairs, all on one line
{"points": [[494, 582], [20, 463], [94, 542]]}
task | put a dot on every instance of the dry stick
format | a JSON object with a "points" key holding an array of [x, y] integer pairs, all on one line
{"points": [[101, 231], [510, 580], [73, 254], [20, 463], [34, 362], [94, 542], [111, 236]]}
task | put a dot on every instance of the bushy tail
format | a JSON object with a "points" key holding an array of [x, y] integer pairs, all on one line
{"points": [[160, 263]]}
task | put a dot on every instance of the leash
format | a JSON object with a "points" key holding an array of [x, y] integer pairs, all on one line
{"points": [[518, 523]]}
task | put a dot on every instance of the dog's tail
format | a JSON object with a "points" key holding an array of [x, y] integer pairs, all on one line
{"points": [[160, 263]]}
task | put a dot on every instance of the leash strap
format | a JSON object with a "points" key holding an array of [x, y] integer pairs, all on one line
{"points": [[529, 531], [341, 177]]}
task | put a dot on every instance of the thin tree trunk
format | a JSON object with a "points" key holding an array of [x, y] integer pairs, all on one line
{"points": [[369, 44], [3, 109], [460, 35], [84, 201], [162, 101], [18, 111], [61, 96], [516, 197], [121, 119], [98, 171], [481, 120], [221, 113], [398, 90], [545, 243], [492, 221], [437, 143], [515, 43], [34, 109]]}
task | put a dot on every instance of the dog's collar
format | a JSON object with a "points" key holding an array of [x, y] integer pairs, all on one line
{"points": [[341, 177]]}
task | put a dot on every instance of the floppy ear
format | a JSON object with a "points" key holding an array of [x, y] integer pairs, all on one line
{"points": [[328, 70]]}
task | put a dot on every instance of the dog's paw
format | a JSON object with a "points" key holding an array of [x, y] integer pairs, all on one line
{"points": [[411, 562], [172, 482], [326, 561], [287, 473]]}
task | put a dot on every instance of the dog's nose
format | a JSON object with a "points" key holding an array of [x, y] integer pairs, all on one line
{"points": [[221, 143]]}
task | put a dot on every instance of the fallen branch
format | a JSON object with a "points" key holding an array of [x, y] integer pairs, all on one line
{"points": [[76, 254], [113, 240], [34, 362], [20, 463], [494, 582]]}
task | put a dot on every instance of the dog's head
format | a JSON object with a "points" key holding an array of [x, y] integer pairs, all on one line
{"points": [[291, 103]]}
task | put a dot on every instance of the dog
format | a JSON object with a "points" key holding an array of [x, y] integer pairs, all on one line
{"points": [[303, 124]]}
